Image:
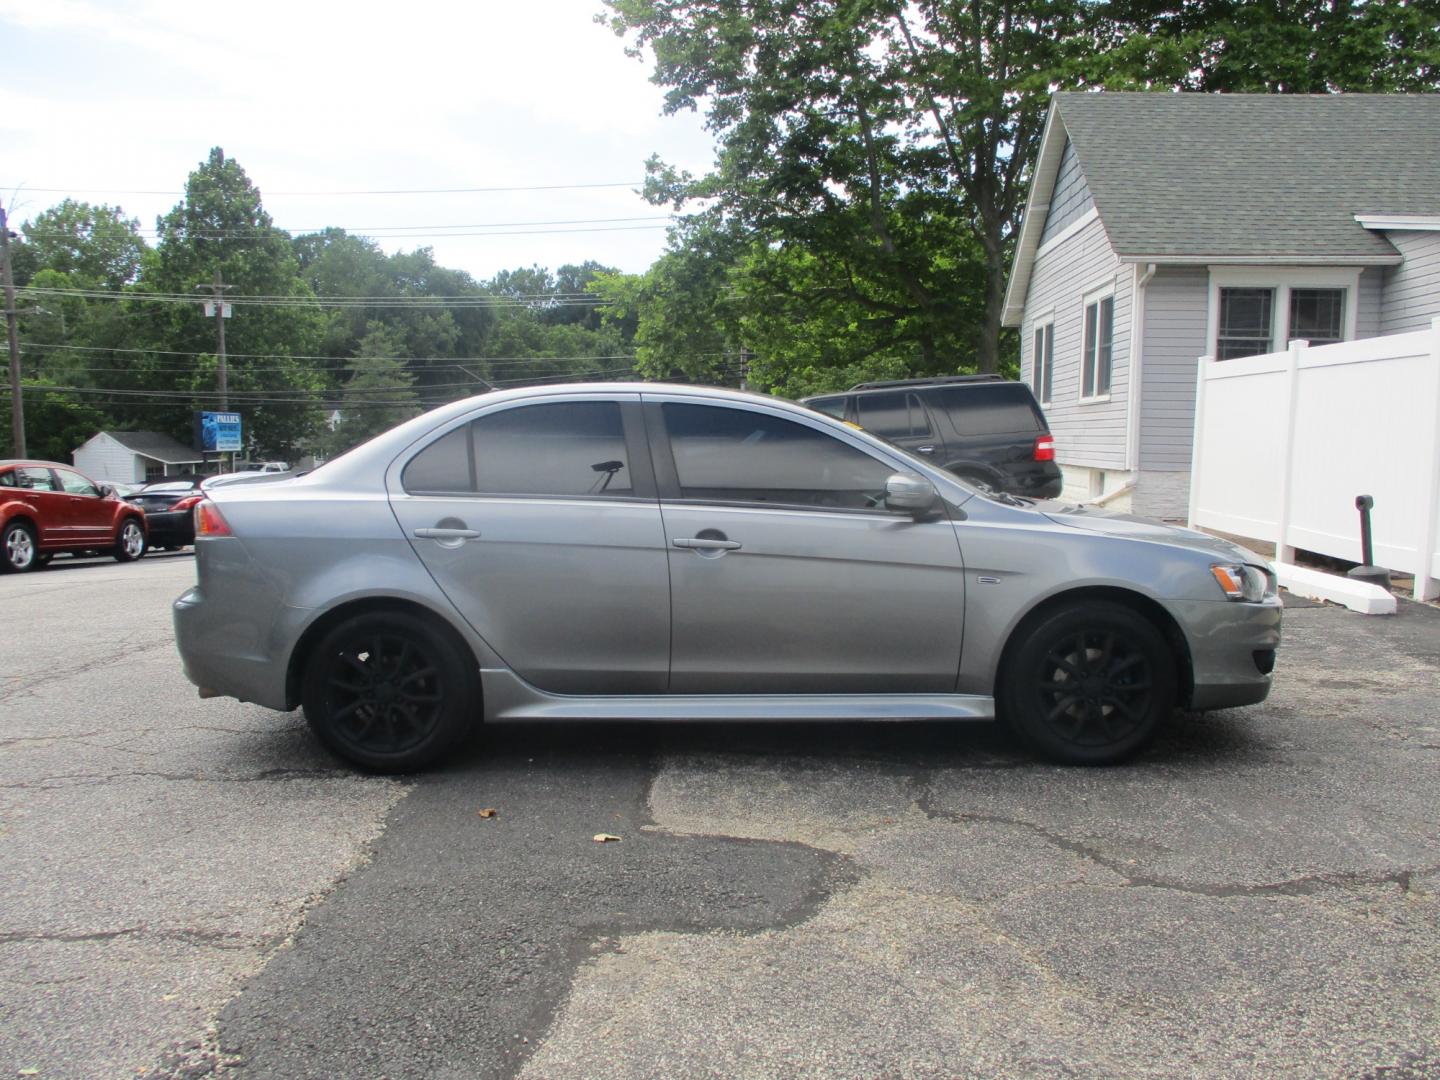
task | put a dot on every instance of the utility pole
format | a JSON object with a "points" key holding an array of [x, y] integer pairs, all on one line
{"points": [[17, 403], [217, 307]]}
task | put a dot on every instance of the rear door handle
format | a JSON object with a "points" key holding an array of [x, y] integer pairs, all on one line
{"points": [[447, 534], [924, 449], [705, 544]]}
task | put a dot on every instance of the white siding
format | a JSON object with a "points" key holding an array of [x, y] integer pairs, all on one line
{"points": [[1176, 300], [1411, 296], [1367, 314], [1070, 197], [1089, 432], [102, 458]]}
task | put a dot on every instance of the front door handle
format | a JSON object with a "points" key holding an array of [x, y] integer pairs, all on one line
{"points": [[924, 449], [447, 534], [705, 543]]}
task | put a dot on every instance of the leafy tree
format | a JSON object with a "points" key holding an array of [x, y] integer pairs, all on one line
{"points": [[221, 225], [97, 246], [380, 392], [1287, 46]]}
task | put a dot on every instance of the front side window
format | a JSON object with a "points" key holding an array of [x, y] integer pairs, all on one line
{"points": [[1246, 323], [1099, 347], [830, 406], [75, 484], [1043, 374], [567, 448], [7, 479], [736, 455]]}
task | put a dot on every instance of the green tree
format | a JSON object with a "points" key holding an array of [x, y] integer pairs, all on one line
{"points": [[221, 225], [97, 246], [379, 393]]}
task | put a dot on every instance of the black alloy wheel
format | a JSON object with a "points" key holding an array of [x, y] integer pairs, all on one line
{"points": [[389, 692], [1090, 684]]}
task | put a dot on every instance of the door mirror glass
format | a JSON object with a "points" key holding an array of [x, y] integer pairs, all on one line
{"points": [[106, 491], [909, 494]]}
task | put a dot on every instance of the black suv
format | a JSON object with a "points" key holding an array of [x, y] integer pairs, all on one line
{"points": [[983, 428]]}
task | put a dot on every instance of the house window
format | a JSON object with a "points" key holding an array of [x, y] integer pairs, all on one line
{"points": [[153, 472], [1317, 315], [1044, 361], [1246, 322], [1099, 346]]}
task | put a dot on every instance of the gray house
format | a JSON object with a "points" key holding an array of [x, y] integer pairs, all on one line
{"points": [[1164, 227]]}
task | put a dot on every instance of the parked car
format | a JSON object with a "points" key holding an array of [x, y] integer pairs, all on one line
{"points": [[608, 551], [47, 508], [169, 511], [987, 430]]}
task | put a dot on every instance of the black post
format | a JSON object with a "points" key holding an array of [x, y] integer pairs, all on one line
{"points": [[1368, 571]]}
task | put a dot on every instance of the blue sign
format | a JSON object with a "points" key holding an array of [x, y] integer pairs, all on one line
{"points": [[219, 432]]}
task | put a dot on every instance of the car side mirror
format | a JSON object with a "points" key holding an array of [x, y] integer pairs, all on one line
{"points": [[909, 494], [106, 490]]}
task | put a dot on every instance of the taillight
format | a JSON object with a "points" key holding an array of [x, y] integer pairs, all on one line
{"points": [[1045, 448], [209, 521], [186, 504]]}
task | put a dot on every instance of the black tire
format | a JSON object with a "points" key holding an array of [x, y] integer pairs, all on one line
{"points": [[1089, 684], [130, 542], [19, 553], [390, 692]]}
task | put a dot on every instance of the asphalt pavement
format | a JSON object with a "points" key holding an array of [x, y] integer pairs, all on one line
{"points": [[193, 887]]}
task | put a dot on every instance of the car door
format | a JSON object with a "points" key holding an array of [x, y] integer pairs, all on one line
{"points": [[52, 510], [540, 523], [900, 417], [787, 573], [88, 516]]}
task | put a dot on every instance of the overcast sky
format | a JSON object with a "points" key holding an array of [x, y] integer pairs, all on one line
{"points": [[103, 100]]}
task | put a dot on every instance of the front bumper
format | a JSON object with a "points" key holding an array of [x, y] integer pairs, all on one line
{"points": [[1232, 650]]}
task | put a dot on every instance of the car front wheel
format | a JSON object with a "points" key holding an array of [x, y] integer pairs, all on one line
{"points": [[130, 543], [389, 692], [17, 548], [1089, 685]]}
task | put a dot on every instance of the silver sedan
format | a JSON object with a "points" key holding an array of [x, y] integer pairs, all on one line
{"points": [[643, 551]]}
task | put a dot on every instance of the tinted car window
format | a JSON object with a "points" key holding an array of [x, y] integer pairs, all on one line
{"points": [[830, 406], [989, 410], [734, 455], [564, 448], [7, 479], [892, 415], [76, 484]]}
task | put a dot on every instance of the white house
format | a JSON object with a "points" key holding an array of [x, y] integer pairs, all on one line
{"points": [[134, 457], [1162, 227]]}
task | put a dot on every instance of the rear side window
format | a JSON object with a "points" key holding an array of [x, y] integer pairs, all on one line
{"points": [[830, 406], [735, 455], [897, 415], [568, 448], [996, 409]]}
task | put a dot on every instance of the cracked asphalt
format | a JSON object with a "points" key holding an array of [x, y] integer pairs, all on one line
{"points": [[194, 888]]}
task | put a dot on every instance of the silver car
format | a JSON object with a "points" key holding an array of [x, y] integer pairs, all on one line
{"points": [[628, 551]]}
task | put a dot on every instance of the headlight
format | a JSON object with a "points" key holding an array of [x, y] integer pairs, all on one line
{"points": [[1242, 582]]}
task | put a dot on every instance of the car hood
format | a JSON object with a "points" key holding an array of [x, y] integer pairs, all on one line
{"points": [[1112, 523]]}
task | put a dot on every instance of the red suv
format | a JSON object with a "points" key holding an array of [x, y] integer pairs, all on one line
{"points": [[47, 508]]}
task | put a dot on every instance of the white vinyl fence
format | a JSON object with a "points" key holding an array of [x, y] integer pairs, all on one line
{"points": [[1286, 441]]}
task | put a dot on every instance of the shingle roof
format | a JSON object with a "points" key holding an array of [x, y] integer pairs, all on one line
{"points": [[1246, 175], [154, 445]]}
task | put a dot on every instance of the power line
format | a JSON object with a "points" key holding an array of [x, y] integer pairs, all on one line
{"points": [[285, 356], [380, 191], [402, 230]]}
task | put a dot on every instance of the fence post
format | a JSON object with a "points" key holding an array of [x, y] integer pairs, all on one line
{"points": [[1427, 586], [1283, 551], [1197, 438]]}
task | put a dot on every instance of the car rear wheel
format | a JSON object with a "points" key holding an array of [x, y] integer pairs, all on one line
{"points": [[130, 543], [389, 692], [1089, 685], [18, 551]]}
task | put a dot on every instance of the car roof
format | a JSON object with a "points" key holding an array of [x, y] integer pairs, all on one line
{"points": [[34, 463]]}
